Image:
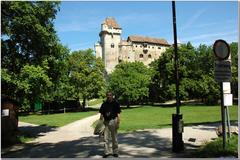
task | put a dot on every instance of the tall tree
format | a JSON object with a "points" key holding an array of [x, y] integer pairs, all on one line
{"points": [[196, 74], [130, 81], [86, 75], [234, 59], [29, 46]]}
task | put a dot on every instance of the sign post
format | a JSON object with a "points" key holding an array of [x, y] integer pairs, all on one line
{"points": [[223, 74], [177, 119]]}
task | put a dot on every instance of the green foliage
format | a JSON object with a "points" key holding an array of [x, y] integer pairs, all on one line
{"points": [[130, 81], [34, 82], [234, 60], [32, 57], [215, 148], [86, 75], [196, 75], [28, 32]]}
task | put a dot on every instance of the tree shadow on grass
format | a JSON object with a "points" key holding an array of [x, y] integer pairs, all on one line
{"points": [[141, 144]]}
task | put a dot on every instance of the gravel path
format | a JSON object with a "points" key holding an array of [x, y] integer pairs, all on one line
{"points": [[76, 140], [70, 132]]}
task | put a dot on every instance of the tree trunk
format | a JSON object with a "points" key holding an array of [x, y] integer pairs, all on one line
{"points": [[128, 104], [84, 104]]}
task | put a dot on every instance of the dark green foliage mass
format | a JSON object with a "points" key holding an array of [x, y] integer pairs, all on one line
{"points": [[130, 82], [196, 74]]}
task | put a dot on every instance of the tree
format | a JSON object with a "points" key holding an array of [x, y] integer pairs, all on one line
{"points": [[234, 60], [86, 75], [130, 81], [30, 45], [196, 75]]}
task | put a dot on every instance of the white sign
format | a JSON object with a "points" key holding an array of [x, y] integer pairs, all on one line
{"points": [[223, 71], [5, 112], [226, 87], [227, 99]]}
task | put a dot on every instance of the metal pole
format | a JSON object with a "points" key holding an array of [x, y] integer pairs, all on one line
{"points": [[176, 64], [177, 122], [228, 121], [223, 117]]}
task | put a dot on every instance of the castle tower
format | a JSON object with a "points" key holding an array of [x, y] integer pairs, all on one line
{"points": [[108, 49]]}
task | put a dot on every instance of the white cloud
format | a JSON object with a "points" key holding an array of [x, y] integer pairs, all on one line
{"points": [[193, 19], [210, 35]]}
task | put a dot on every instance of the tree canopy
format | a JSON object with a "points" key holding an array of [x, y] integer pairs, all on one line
{"points": [[130, 81], [86, 74], [32, 56]]}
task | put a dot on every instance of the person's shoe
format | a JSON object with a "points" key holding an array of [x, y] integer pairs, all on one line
{"points": [[115, 155], [106, 155]]}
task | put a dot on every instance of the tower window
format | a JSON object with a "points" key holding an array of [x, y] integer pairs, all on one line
{"points": [[112, 45], [144, 44], [149, 56], [141, 56]]}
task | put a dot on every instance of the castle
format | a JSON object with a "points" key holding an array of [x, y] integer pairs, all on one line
{"points": [[113, 50]]}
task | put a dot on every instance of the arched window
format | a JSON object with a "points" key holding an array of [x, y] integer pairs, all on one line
{"points": [[149, 56], [112, 45], [141, 56]]}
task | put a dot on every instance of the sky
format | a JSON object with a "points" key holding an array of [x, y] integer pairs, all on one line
{"points": [[78, 23]]}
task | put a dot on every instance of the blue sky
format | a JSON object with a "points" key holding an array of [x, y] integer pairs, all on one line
{"points": [[78, 23]]}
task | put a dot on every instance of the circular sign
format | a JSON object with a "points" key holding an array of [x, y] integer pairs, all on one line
{"points": [[221, 49]]}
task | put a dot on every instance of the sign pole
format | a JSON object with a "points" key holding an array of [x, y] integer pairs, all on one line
{"points": [[228, 122], [223, 74], [177, 122], [223, 117]]}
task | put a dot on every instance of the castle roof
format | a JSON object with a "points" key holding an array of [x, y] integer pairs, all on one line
{"points": [[143, 39], [110, 21]]}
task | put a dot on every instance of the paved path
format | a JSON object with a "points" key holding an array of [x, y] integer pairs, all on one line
{"points": [[76, 140]]}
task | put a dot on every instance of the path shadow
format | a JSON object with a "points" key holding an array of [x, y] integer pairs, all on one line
{"points": [[142, 144], [36, 131], [209, 125]]}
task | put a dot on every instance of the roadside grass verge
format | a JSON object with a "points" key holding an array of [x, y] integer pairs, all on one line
{"points": [[56, 120], [215, 149]]}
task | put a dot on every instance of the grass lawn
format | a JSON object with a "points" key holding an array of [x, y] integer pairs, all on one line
{"points": [[141, 117], [56, 120], [146, 117]]}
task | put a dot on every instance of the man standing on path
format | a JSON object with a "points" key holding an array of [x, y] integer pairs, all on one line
{"points": [[110, 112]]}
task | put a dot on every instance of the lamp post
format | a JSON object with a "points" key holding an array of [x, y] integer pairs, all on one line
{"points": [[177, 122]]}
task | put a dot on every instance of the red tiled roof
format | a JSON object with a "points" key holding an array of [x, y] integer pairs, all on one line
{"points": [[136, 38], [110, 21]]}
